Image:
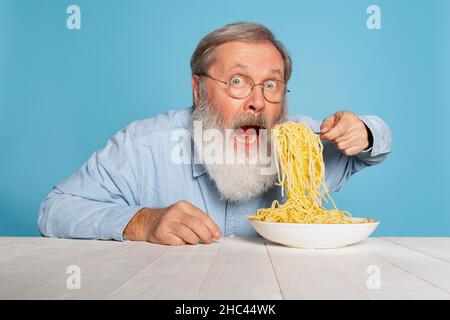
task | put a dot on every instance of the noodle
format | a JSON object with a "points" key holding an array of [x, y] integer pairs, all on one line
{"points": [[301, 173]]}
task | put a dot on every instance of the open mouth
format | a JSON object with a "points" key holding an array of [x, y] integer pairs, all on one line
{"points": [[247, 134]]}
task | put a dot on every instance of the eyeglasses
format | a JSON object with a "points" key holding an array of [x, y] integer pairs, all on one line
{"points": [[240, 87]]}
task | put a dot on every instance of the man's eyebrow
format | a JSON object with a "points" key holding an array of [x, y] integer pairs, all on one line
{"points": [[243, 66], [276, 71]]}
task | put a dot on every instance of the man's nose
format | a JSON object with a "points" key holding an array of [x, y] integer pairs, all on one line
{"points": [[256, 102]]}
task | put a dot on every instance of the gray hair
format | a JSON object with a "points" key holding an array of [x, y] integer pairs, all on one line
{"points": [[204, 54]]}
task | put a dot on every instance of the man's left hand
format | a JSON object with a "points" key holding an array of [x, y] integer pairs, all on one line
{"points": [[346, 131]]}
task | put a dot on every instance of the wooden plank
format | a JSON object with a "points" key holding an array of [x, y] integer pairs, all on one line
{"points": [[7, 243], [345, 273], [12, 247], [28, 272], [21, 247], [358, 263], [242, 270], [434, 247], [433, 270], [177, 274], [101, 274], [308, 274]]}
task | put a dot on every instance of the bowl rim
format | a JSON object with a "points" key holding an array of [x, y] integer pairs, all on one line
{"points": [[374, 222]]}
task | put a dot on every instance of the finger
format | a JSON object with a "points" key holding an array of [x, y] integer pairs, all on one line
{"points": [[352, 151], [350, 142], [197, 226], [185, 233], [339, 129], [328, 123], [348, 135], [173, 240], [210, 224]]}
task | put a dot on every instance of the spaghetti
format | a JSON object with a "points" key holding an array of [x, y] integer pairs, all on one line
{"points": [[301, 172]]}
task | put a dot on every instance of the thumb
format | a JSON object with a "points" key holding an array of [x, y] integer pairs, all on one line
{"points": [[327, 124]]}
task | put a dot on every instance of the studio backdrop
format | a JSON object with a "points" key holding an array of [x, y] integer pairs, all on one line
{"points": [[72, 73]]}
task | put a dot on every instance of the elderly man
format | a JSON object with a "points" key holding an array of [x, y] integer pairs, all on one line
{"points": [[134, 189]]}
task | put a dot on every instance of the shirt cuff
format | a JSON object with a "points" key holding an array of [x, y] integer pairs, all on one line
{"points": [[117, 221], [371, 152]]}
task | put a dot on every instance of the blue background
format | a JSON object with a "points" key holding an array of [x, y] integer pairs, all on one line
{"points": [[63, 92]]}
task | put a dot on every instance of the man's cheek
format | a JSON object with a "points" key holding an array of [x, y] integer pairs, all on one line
{"points": [[273, 118]]}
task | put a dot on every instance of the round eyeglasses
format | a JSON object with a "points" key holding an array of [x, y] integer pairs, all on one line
{"points": [[240, 87]]}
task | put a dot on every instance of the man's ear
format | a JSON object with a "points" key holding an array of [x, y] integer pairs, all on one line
{"points": [[195, 80]]}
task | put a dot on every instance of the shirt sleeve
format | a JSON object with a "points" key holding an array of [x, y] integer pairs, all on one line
{"points": [[100, 198]]}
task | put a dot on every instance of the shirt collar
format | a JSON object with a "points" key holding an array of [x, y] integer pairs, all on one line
{"points": [[198, 169]]}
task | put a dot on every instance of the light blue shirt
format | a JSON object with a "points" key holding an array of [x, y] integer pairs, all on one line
{"points": [[135, 170]]}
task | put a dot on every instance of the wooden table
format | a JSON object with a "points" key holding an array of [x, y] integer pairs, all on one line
{"points": [[233, 268]]}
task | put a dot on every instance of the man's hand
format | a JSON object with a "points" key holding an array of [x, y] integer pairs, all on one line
{"points": [[176, 225], [346, 131]]}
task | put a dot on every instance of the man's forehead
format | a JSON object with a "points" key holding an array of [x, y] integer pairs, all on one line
{"points": [[241, 56], [246, 67]]}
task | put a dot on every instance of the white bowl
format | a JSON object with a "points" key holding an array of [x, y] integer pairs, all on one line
{"points": [[315, 236]]}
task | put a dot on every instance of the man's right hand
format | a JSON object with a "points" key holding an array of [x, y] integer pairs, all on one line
{"points": [[176, 225]]}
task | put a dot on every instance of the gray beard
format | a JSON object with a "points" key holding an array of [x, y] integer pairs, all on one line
{"points": [[236, 182]]}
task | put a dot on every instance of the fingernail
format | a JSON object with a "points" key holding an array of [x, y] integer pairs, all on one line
{"points": [[217, 235]]}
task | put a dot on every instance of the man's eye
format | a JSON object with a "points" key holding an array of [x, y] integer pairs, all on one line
{"points": [[271, 85], [237, 81]]}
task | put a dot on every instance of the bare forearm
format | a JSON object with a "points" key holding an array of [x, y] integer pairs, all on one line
{"points": [[140, 225]]}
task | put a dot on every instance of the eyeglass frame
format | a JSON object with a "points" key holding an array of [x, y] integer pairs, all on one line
{"points": [[286, 90]]}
